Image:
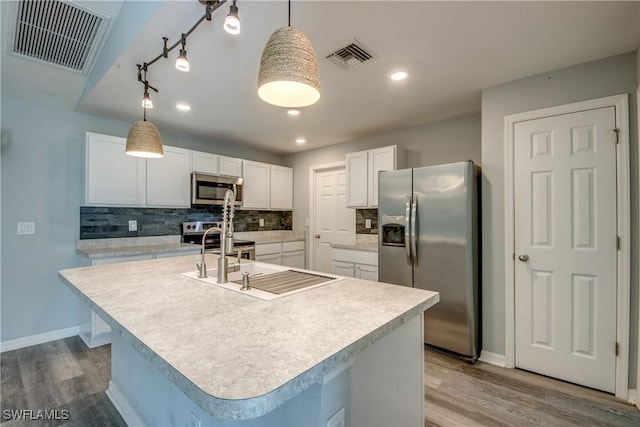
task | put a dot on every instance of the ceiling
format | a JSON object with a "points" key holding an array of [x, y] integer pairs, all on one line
{"points": [[452, 50]]}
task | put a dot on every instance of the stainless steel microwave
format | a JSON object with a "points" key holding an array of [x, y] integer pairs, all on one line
{"points": [[210, 189]]}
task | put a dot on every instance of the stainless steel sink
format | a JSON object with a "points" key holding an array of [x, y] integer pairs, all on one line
{"points": [[269, 281]]}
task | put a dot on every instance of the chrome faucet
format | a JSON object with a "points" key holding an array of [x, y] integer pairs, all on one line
{"points": [[226, 239], [202, 266]]}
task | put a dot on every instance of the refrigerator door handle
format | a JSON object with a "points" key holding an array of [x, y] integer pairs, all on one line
{"points": [[414, 230], [407, 236]]}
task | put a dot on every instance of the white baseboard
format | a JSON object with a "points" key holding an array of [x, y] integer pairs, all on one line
{"points": [[38, 339], [493, 358], [632, 396], [127, 412]]}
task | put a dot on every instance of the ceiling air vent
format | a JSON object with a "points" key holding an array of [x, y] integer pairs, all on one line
{"points": [[58, 33], [350, 56]]}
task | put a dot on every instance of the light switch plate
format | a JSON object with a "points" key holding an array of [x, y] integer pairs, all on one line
{"points": [[26, 228], [367, 223], [133, 225], [261, 222]]}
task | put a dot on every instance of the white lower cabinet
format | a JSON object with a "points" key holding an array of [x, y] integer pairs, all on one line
{"points": [[93, 330], [355, 263], [289, 254]]}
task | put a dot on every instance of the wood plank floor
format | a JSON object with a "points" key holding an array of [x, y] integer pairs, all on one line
{"points": [[460, 394], [65, 374]]}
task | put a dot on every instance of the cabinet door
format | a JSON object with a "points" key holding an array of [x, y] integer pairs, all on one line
{"points": [[256, 185], [380, 159], [357, 179], [270, 259], [112, 178], [204, 162], [281, 188], [168, 179], [293, 259], [230, 166], [367, 272], [344, 268]]}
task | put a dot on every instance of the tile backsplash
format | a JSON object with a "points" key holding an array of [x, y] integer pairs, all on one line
{"points": [[361, 220], [109, 222]]}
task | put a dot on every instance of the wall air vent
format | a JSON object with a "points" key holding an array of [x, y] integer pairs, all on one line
{"points": [[58, 33], [350, 56]]}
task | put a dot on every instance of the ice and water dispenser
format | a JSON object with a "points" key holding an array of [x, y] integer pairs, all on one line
{"points": [[393, 230]]}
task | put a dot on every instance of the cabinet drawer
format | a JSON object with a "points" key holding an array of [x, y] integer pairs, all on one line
{"points": [[355, 256], [268, 248], [292, 246]]}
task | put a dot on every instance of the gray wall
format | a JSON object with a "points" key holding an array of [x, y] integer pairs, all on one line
{"points": [[440, 142], [43, 181], [610, 76]]}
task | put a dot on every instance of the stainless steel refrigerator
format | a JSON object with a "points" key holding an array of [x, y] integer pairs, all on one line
{"points": [[429, 238]]}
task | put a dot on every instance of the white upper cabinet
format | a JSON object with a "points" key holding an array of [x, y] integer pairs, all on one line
{"points": [[230, 166], [281, 188], [204, 162], [168, 180], [266, 186], [380, 159], [362, 173], [256, 185], [357, 179], [112, 178]]}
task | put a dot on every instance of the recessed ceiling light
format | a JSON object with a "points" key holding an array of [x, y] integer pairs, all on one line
{"points": [[300, 140], [293, 112], [399, 75], [183, 106]]}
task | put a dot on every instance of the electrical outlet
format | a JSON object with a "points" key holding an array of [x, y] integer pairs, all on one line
{"points": [[367, 223], [195, 421], [26, 228], [261, 222], [133, 225], [337, 420]]}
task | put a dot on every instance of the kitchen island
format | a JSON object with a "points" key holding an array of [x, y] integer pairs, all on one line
{"points": [[185, 352]]}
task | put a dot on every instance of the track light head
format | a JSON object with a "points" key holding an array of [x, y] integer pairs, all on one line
{"points": [[231, 21]]}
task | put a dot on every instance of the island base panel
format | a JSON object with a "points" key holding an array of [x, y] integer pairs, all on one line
{"points": [[380, 386]]}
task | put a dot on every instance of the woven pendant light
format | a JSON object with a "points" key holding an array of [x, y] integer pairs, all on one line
{"points": [[144, 140], [288, 70]]}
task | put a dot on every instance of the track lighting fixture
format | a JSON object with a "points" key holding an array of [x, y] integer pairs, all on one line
{"points": [[231, 21], [182, 63], [144, 139]]}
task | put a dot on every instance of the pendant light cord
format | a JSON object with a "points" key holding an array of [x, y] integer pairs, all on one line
{"points": [[289, 12]]}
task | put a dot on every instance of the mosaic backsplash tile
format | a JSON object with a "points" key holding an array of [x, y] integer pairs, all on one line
{"points": [[361, 216], [110, 222]]}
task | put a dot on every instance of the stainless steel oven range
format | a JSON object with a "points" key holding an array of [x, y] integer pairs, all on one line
{"points": [[192, 233]]}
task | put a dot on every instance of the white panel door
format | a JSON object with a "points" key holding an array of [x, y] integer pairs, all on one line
{"points": [[334, 222], [565, 241]]}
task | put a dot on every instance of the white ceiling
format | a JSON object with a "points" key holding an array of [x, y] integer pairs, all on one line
{"points": [[452, 51]]}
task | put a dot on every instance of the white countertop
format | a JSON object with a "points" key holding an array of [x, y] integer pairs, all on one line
{"points": [[237, 356], [361, 242]]}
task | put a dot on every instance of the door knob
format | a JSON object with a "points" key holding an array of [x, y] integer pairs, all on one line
{"points": [[523, 257], [317, 236]]}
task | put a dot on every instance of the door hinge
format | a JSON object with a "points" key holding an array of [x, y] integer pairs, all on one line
{"points": [[617, 348], [617, 132], [618, 242]]}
